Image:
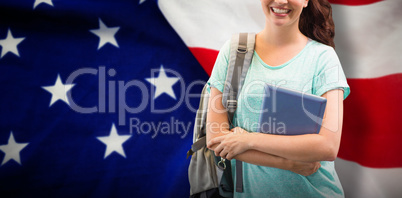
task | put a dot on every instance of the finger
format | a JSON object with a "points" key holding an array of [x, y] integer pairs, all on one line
{"points": [[315, 169], [318, 167], [210, 144], [310, 172], [229, 156], [304, 173], [214, 141], [223, 153], [218, 150]]}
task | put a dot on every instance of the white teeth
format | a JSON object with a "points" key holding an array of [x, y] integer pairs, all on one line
{"points": [[280, 11]]}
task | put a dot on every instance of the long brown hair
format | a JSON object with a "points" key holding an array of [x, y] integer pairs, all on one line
{"points": [[316, 22]]}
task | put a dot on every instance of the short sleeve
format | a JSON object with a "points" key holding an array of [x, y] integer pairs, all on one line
{"points": [[330, 74], [218, 75]]}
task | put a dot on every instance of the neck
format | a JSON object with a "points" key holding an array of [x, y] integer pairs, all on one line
{"points": [[281, 35]]}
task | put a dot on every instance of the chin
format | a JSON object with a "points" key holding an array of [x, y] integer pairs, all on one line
{"points": [[280, 23]]}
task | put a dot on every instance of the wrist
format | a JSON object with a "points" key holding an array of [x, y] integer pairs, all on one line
{"points": [[253, 139], [250, 141], [225, 132], [287, 164]]}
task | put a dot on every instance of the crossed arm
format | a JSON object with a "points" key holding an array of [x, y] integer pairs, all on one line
{"points": [[299, 154]]}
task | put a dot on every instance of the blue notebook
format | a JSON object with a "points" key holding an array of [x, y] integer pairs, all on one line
{"points": [[290, 112]]}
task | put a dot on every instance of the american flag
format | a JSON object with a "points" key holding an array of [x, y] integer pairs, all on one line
{"points": [[98, 97], [94, 100], [368, 43]]}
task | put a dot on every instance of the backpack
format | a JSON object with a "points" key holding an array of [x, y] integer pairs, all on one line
{"points": [[209, 175]]}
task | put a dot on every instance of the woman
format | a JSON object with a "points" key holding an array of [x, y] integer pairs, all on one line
{"points": [[294, 50]]}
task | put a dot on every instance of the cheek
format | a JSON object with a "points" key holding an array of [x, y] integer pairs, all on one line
{"points": [[298, 3], [266, 10], [265, 4]]}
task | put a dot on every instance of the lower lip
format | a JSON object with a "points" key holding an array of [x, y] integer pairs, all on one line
{"points": [[280, 15]]}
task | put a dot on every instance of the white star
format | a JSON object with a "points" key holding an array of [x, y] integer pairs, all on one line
{"points": [[163, 84], [142, 1], [12, 150], [105, 34], [37, 2], [9, 44], [58, 91], [114, 142]]}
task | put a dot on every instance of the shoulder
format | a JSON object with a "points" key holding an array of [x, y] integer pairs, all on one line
{"points": [[322, 56], [225, 49], [218, 75], [322, 50], [223, 55]]}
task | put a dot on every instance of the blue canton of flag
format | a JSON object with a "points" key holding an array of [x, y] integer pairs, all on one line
{"points": [[95, 100]]}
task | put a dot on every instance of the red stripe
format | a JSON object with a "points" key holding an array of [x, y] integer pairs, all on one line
{"points": [[354, 2], [206, 57], [372, 131]]}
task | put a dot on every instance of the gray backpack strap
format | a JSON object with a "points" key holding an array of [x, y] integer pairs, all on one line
{"points": [[247, 62], [241, 53], [197, 145], [199, 140]]}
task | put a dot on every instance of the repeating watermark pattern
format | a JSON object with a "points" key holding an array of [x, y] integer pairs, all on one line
{"points": [[173, 127], [272, 126], [112, 98]]}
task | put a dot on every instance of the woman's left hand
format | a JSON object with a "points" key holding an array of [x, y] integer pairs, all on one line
{"points": [[231, 144]]}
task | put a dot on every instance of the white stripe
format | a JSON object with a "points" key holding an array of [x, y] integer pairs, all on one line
{"points": [[359, 181], [368, 38], [209, 23], [368, 42]]}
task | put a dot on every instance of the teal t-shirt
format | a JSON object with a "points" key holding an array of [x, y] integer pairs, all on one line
{"points": [[315, 70]]}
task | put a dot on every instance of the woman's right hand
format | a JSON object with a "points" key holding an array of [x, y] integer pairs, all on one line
{"points": [[304, 168]]}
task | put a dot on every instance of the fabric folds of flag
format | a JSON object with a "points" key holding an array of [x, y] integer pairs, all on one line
{"points": [[94, 100], [98, 97], [368, 44]]}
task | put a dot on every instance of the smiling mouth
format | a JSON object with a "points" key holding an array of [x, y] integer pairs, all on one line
{"points": [[280, 11]]}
